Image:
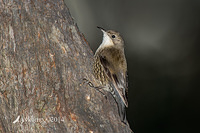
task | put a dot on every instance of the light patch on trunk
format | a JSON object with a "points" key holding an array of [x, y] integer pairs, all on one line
{"points": [[12, 37]]}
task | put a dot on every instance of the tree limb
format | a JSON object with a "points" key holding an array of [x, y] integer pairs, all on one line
{"points": [[43, 60]]}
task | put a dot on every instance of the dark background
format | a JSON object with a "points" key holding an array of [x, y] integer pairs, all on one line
{"points": [[162, 48]]}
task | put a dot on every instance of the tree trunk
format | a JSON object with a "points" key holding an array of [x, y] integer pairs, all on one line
{"points": [[43, 61]]}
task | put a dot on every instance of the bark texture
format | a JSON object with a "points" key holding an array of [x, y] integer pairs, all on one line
{"points": [[43, 59]]}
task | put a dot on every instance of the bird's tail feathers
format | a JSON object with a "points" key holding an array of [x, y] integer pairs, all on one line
{"points": [[120, 104]]}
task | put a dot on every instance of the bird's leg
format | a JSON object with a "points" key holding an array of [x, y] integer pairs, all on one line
{"points": [[98, 88]]}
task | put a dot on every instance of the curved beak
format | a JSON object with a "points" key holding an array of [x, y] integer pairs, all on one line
{"points": [[102, 29]]}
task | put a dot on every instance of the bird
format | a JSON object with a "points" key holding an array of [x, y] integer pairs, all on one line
{"points": [[110, 68]]}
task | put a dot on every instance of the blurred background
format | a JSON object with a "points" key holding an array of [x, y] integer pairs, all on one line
{"points": [[162, 39]]}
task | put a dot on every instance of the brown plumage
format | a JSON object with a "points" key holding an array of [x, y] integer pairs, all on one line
{"points": [[110, 68]]}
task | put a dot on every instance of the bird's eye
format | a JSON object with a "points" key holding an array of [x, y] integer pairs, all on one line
{"points": [[113, 36]]}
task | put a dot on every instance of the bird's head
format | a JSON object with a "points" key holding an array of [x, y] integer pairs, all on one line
{"points": [[111, 38]]}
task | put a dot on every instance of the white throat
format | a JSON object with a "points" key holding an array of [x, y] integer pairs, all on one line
{"points": [[107, 41]]}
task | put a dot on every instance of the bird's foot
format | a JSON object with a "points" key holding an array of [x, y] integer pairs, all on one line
{"points": [[98, 88]]}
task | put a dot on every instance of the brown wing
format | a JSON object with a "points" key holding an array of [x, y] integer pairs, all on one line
{"points": [[118, 80]]}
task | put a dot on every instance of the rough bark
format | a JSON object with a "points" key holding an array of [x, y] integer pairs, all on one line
{"points": [[43, 59]]}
